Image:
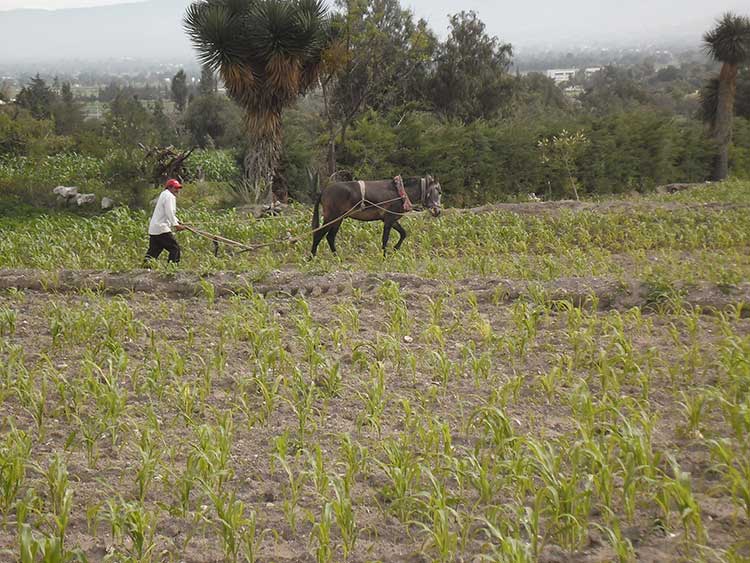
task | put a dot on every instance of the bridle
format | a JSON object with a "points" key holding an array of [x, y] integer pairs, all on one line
{"points": [[424, 188]]}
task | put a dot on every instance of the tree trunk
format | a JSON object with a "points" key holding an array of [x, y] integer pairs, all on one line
{"points": [[260, 163], [331, 130], [722, 129]]}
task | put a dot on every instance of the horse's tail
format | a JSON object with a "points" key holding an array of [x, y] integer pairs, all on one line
{"points": [[316, 213]]}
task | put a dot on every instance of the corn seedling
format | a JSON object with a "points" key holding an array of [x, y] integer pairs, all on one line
{"points": [[15, 452]]}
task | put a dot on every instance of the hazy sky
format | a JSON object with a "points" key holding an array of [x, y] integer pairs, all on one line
{"points": [[53, 4], [540, 20]]}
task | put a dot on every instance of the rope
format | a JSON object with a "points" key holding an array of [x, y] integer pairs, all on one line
{"points": [[251, 247]]}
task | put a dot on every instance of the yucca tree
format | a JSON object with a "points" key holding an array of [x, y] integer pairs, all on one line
{"points": [[268, 53], [729, 44]]}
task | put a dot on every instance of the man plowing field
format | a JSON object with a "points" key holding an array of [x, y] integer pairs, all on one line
{"points": [[163, 220]]}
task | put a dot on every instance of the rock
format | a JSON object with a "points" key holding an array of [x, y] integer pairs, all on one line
{"points": [[553, 554], [85, 199], [66, 192], [107, 203]]}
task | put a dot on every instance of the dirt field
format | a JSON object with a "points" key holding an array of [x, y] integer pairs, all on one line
{"points": [[431, 404]]}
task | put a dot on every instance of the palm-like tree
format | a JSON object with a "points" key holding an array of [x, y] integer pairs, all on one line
{"points": [[268, 53], [729, 44]]}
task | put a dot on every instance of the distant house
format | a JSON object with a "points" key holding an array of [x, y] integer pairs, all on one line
{"points": [[592, 70], [560, 75], [93, 110]]}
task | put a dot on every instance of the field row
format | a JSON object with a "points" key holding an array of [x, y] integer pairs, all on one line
{"points": [[649, 239]]}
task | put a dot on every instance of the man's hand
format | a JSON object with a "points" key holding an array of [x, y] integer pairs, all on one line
{"points": [[180, 228]]}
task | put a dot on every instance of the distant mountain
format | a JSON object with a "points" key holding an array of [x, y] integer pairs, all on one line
{"points": [[149, 30]]}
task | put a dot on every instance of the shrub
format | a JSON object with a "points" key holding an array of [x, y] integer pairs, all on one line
{"points": [[124, 177], [217, 165]]}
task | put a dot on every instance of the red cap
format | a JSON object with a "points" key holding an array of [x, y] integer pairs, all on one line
{"points": [[172, 183]]}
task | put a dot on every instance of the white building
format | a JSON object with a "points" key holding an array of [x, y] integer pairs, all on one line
{"points": [[560, 75], [592, 70]]}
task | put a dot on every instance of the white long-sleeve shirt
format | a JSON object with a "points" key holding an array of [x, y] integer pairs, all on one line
{"points": [[165, 214]]}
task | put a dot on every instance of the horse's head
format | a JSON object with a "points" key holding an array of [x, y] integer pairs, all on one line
{"points": [[432, 196]]}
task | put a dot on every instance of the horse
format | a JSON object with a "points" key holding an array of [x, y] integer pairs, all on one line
{"points": [[376, 200]]}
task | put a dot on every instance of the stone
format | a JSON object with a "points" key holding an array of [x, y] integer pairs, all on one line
{"points": [[66, 192], [85, 199], [107, 203]]}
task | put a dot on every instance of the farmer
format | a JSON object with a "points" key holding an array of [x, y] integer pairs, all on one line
{"points": [[162, 221]]}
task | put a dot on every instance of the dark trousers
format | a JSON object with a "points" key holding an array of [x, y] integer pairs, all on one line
{"points": [[165, 241]]}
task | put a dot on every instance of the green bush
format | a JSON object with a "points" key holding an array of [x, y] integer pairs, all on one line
{"points": [[501, 160], [217, 165], [124, 178]]}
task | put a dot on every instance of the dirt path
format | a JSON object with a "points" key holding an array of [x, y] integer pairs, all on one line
{"points": [[608, 293]]}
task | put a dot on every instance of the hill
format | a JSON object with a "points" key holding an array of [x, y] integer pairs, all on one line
{"points": [[143, 30]]}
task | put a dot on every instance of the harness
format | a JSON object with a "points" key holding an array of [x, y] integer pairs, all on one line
{"points": [[362, 191], [399, 183]]}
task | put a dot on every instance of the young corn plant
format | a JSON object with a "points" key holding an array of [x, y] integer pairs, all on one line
{"points": [[293, 491], [565, 496], [91, 429], [321, 533], [8, 319], [693, 405], [302, 403], [237, 530], [343, 511], [481, 472], [526, 319], [506, 546], [403, 472], [15, 454], [269, 392], [734, 465], [677, 492], [136, 522], [355, 458], [149, 457], [399, 321], [494, 427], [208, 291], [621, 546], [60, 495], [212, 452], [437, 519], [320, 477], [374, 398], [330, 379], [47, 549]]}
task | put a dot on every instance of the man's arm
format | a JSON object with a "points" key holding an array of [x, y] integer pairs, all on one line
{"points": [[173, 221]]}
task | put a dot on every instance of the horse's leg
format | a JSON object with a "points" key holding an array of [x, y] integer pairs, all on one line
{"points": [[387, 224], [401, 234], [318, 236], [331, 236]]}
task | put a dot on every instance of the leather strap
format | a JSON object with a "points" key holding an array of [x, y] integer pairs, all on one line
{"points": [[402, 193], [362, 191]]}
